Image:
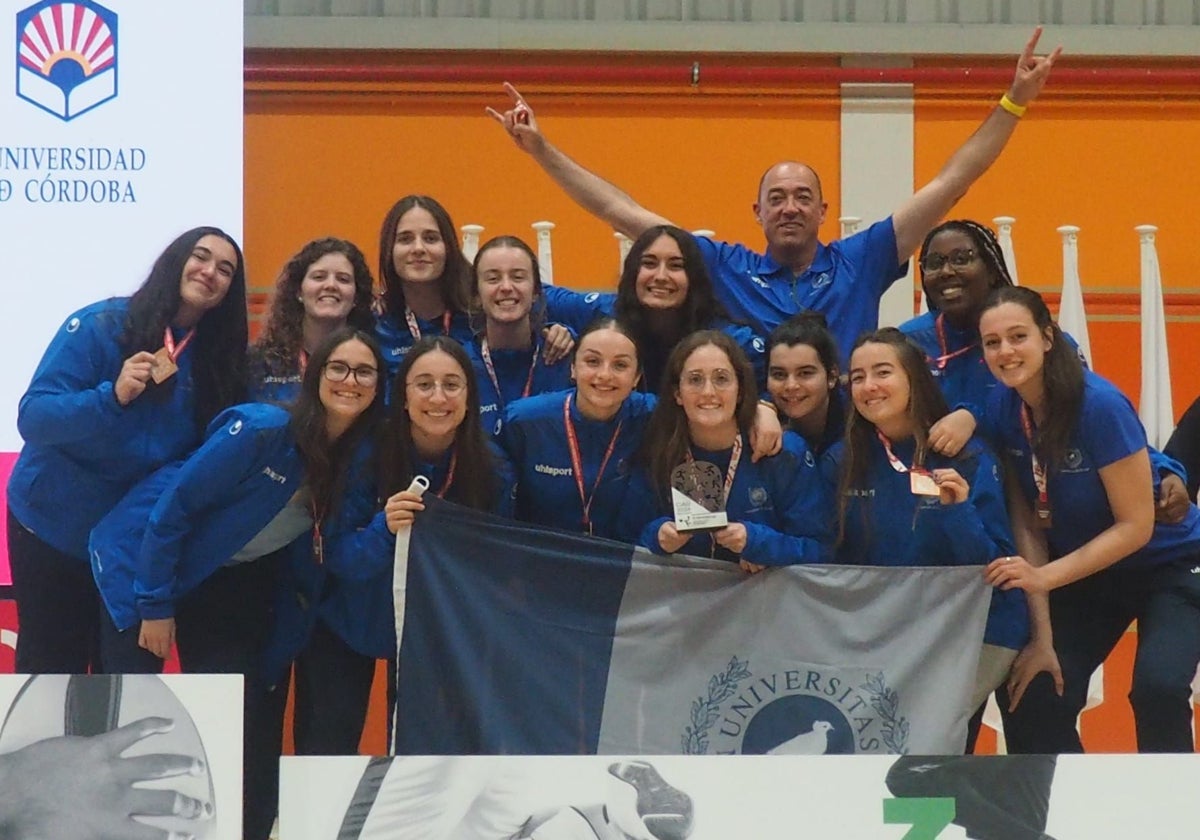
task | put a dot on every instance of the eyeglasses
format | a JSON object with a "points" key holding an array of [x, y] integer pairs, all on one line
{"points": [[956, 259], [720, 378], [451, 387], [340, 372]]}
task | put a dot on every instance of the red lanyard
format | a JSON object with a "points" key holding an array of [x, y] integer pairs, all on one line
{"points": [[896, 463], [940, 361], [174, 351], [415, 329], [491, 371], [441, 494], [304, 361], [734, 457], [1039, 470], [318, 540], [585, 501]]}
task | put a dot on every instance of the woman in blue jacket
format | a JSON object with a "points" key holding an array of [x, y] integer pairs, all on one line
{"points": [[900, 503], [433, 430], [509, 353], [802, 379], [775, 506], [173, 558], [570, 449], [127, 385], [1088, 537], [424, 276], [322, 288], [665, 294]]}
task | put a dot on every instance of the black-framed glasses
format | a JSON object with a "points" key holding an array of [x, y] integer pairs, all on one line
{"points": [[340, 372], [957, 259]]}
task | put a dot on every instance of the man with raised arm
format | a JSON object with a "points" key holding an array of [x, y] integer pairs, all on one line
{"points": [[844, 279]]}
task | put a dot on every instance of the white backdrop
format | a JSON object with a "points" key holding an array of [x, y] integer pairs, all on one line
{"points": [[175, 122]]}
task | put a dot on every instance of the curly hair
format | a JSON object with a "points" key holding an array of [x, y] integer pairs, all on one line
{"points": [[277, 349]]}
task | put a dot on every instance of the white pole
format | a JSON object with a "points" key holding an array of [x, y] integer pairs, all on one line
{"points": [[470, 245], [545, 257], [1071, 315], [1004, 226], [1154, 407]]}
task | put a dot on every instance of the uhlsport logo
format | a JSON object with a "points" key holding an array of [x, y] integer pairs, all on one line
{"points": [[66, 56], [806, 710]]}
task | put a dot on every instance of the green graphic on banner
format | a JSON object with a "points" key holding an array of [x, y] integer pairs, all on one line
{"points": [[927, 815]]}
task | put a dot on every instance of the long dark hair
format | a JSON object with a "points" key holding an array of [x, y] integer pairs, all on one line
{"points": [[926, 405], [278, 347], [454, 280], [474, 476], [327, 464], [700, 308], [219, 363], [1062, 376], [666, 441], [537, 312], [986, 245]]}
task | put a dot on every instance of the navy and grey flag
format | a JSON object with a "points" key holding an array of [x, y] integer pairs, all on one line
{"points": [[517, 640]]}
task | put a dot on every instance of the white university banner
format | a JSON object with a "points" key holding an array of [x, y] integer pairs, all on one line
{"points": [[120, 128]]}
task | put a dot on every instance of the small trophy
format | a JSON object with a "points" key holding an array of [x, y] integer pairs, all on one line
{"points": [[698, 496]]}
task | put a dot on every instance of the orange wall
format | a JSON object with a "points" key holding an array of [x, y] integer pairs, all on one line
{"points": [[328, 159]]}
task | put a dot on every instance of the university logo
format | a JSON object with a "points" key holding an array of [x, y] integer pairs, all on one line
{"points": [[66, 56], [807, 710]]}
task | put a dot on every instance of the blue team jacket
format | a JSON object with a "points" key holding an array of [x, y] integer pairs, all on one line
{"points": [[351, 593], [185, 521], [887, 525], [535, 440], [395, 339], [576, 310], [780, 500], [83, 450], [512, 371]]}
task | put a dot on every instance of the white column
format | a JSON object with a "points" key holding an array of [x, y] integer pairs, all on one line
{"points": [[1154, 406], [545, 256], [877, 168], [470, 244], [1071, 315], [1004, 226]]}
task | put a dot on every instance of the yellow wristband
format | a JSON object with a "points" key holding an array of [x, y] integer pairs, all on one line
{"points": [[1013, 108]]}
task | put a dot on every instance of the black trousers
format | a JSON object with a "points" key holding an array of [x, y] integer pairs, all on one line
{"points": [[58, 606], [333, 688]]}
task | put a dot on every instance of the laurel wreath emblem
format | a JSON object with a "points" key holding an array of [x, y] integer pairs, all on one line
{"points": [[886, 703], [707, 708]]}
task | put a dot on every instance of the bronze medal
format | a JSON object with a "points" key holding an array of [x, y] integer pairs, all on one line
{"points": [[921, 482], [163, 367]]}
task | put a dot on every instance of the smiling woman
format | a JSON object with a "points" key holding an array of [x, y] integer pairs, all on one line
{"points": [[126, 385], [508, 353], [706, 408], [325, 286]]}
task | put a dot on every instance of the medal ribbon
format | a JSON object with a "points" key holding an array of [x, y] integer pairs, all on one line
{"points": [[441, 494], [491, 371], [946, 356], [896, 463], [735, 456], [175, 351], [415, 329], [585, 501], [1039, 469]]}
